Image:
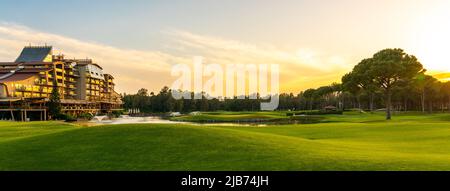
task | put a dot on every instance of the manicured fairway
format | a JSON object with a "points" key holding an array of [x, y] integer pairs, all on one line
{"points": [[350, 142], [231, 116]]}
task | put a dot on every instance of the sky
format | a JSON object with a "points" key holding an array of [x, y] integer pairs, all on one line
{"points": [[315, 42]]}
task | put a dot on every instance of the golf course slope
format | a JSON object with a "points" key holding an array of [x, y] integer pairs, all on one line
{"points": [[407, 144]]}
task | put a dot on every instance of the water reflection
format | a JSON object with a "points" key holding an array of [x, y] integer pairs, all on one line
{"points": [[132, 120], [151, 120]]}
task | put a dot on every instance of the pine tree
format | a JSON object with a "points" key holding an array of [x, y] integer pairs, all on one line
{"points": [[54, 104]]}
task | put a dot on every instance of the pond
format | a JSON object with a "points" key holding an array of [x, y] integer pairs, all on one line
{"points": [[124, 119]]}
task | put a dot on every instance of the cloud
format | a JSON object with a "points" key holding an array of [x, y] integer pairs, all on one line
{"points": [[134, 69], [311, 66]]}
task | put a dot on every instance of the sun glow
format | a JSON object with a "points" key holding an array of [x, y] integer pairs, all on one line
{"points": [[431, 39]]}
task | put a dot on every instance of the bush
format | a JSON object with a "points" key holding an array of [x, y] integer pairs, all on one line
{"points": [[116, 114], [86, 116], [65, 117]]}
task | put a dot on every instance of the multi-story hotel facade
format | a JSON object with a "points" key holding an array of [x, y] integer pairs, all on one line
{"points": [[26, 85]]}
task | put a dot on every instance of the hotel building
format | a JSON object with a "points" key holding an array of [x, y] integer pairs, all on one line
{"points": [[26, 85]]}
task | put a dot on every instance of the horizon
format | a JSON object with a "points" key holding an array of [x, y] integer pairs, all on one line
{"points": [[314, 42]]}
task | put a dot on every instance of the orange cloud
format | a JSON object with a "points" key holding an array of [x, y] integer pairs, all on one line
{"points": [[134, 69]]}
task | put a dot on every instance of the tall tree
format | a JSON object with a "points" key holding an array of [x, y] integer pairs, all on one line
{"points": [[388, 68], [428, 88], [54, 104], [446, 91], [309, 96], [364, 80], [350, 83], [337, 89]]}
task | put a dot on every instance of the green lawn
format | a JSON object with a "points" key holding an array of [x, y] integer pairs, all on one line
{"points": [[349, 142]]}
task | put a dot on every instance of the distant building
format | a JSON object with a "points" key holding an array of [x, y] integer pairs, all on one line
{"points": [[26, 85], [330, 108]]}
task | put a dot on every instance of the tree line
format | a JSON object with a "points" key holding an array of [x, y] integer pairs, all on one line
{"points": [[390, 80], [164, 102]]}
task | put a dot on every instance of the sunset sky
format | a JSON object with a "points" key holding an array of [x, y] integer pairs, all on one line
{"points": [[315, 42]]}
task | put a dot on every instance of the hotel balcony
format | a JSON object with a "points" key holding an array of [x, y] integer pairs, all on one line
{"points": [[35, 89], [70, 86], [69, 73], [40, 83], [69, 79], [93, 88], [59, 70]]}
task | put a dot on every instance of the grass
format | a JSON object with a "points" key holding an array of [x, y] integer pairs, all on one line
{"points": [[347, 142]]}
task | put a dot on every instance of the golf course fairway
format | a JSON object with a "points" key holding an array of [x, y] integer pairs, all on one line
{"points": [[355, 142]]}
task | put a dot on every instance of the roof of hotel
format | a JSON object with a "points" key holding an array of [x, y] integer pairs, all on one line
{"points": [[24, 63], [109, 75], [34, 53], [17, 77], [89, 63]]}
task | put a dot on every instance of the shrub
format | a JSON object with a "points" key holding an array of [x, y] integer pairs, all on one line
{"points": [[117, 113], [66, 117], [86, 116]]}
